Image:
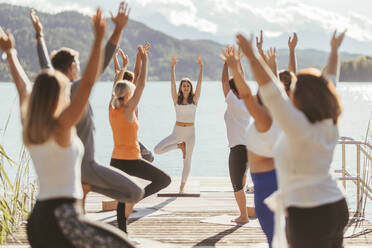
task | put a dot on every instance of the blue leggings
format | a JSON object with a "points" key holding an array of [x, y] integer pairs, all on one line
{"points": [[265, 184]]}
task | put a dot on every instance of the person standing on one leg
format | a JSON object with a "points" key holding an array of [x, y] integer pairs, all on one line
{"points": [[121, 73], [183, 135], [99, 178], [126, 155], [48, 118], [237, 120], [260, 139]]}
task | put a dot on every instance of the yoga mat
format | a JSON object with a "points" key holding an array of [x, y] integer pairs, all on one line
{"points": [[226, 220]]}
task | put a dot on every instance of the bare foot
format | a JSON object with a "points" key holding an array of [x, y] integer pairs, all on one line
{"points": [[128, 209], [251, 212], [182, 146], [182, 186], [240, 220]]}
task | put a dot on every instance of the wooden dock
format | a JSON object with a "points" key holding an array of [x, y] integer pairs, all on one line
{"points": [[192, 221]]}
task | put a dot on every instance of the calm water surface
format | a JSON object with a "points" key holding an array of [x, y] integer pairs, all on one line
{"points": [[157, 117]]}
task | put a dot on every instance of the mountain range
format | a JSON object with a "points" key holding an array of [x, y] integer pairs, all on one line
{"points": [[72, 29]]}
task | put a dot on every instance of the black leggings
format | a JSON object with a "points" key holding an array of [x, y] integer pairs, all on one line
{"points": [[142, 169], [320, 227], [59, 223], [237, 166]]}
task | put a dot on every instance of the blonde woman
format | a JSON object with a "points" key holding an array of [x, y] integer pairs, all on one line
{"points": [[48, 118], [121, 73], [183, 135], [126, 155]]}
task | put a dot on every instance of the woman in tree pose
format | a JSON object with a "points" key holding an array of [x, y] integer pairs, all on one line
{"points": [[121, 73], [95, 177], [183, 135], [126, 155], [48, 119], [317, 211], [237, 120], [260, 139]]}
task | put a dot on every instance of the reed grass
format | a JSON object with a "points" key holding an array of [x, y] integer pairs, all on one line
{"points": [[17, 195]]}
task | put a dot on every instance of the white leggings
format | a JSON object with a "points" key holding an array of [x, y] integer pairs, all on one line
{"points": [[179, 135]]}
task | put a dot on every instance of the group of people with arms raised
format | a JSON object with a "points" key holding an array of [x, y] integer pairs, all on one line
{"points": [[285, 134]]}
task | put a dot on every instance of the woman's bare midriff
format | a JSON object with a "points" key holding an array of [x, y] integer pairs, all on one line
{"points": [[259, 164]]}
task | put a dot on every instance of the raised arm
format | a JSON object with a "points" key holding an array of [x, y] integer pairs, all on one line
{"points": [[333, 61], [19, 76], [263, 120], [259, 44], [124, 58], [292, 121], [200, 79], [292, 43], [120, 21], [71, 115], [121, 70], [225, 79], [131, 105], [41, 47], [137, 66], [117, 66], [173, 80], [240, 56], [271, 60]]}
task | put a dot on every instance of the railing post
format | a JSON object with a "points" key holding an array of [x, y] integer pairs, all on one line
{"points": [[358, 178], [344, 164]]}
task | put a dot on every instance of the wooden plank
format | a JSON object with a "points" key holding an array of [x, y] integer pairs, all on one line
{"points": [[178, 221]]}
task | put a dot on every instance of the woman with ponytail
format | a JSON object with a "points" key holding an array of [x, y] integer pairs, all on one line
{"points": [[126, 155]]}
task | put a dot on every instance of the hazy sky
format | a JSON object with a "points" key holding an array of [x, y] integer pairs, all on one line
{"points": [[225, 17]]}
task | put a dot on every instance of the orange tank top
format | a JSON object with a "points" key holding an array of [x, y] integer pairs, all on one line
{"points": [[125, 133]]}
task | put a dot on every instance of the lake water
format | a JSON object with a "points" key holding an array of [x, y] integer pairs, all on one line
{"points": [[157, 117]]}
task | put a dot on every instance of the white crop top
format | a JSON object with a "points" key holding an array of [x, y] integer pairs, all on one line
{"points": [[185, 113], [58, 169], [262, 143]]}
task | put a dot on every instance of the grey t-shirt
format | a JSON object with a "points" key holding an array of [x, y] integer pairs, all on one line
{"points": [[85, 127]]}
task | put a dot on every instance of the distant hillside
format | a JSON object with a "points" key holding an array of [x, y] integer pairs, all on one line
{"points": [[74, 30]]}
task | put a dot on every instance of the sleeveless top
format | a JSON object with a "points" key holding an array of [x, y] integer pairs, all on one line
{"points": [[262, 143], [125, 133], [185, 113], [58, 168], [237, 119]]}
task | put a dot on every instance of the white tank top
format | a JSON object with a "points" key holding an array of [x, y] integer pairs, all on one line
{"points": [[185, 113], [262, 143], [58, 169]]}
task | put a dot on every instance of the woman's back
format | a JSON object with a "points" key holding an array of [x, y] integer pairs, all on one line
{"points": [[304, 164], [58, 168], [125, 134]]}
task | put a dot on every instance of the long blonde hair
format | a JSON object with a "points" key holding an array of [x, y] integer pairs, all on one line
{"points": [[121, 89], [39, 122]]}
